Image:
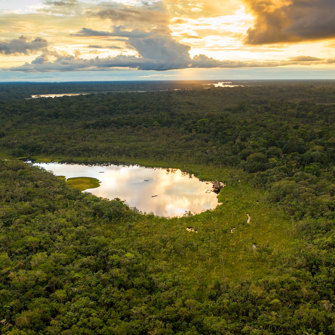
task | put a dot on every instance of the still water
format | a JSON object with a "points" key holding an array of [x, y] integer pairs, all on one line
{"points": [[226, 84], [163, 192], [38, 96]]}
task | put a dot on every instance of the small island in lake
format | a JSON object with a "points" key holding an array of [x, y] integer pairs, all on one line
{"points": [[83, 183]]}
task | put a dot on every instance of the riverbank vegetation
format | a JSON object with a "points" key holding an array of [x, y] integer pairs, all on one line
{"points": [[75, 264]]}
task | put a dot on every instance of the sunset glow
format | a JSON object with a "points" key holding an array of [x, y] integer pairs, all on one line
{"points": [[52, 36]]}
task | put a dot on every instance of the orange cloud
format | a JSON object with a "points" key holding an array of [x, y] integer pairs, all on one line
{"points": [[291, 21]]}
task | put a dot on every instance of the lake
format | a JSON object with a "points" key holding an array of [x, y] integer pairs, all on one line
{"points": [[225, 84], [163, 192], [38, 96]]}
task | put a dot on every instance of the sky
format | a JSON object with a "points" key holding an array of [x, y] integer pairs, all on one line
{"points": [[73, 40]]}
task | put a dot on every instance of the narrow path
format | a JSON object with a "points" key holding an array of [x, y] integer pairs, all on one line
{"points": [[249, 218]]}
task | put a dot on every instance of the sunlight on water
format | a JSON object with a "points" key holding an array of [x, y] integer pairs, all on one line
{"points": [[221, 84], [37, 96], [226, 84], [164, 192]]}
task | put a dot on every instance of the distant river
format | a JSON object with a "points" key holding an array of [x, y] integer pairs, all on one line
{"points": [[163, 192]]}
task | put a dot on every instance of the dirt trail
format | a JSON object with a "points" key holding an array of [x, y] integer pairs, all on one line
{"points": [[249, 218]]}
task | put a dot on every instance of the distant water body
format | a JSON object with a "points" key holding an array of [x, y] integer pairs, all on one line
{"points": [[38, 96], [219, 84], [225, 84], [163, 192]]}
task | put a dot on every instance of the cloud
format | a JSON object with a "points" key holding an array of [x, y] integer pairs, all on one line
{"points": [[148, 16], [162, 51], [112, 47], [291, 21], [118, 32], [190, 36], [73, 63], [156, 52], [149, 60], [86, 32], [202, 61], [152, 39], [308, 59], [201, 8], [22, 45], [63, 7], [61, 3]]}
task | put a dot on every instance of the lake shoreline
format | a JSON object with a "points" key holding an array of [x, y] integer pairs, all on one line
{"points": [[166, 192]]}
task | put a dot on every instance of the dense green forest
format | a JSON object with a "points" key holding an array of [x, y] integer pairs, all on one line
{"points": [[75, 264], [22, 90]]}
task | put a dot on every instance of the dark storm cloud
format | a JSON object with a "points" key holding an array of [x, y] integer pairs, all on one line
{"points": [[300, 20], [22, 45]]}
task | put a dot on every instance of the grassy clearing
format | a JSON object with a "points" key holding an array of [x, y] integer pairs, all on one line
{"points": [[223, 244], [83, 183]]}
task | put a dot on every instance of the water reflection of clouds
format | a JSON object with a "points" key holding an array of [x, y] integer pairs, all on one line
{"points": [[177, 192]]}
